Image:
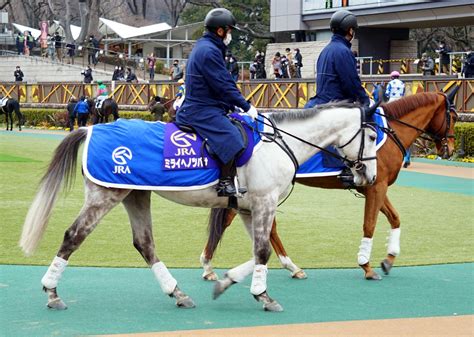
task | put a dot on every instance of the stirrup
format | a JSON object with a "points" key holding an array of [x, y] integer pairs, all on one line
{"points": [[240, 190]]}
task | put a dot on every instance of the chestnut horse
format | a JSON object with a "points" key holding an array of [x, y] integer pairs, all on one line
{"points": [[101, 115], [429, 113]]}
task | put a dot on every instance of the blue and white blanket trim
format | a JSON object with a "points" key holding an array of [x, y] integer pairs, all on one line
{"points": [[128, 154], [313, 167]]}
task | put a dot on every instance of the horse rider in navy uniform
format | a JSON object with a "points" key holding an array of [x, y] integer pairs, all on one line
{"points": [[211, 93], [336, 73], [336, 69]]}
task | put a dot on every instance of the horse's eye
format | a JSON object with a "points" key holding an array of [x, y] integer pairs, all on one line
{"points": [[373, 138]]}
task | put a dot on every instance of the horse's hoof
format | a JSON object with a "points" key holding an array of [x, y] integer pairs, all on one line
{"points": [[300, 275], [219, 288], [57, 304], [373, 277], [210, 277], [185, 303], [386, 266], [273, 306]]}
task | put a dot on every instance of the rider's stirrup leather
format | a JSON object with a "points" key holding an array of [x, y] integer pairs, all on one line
{"points": [[226, 188]]}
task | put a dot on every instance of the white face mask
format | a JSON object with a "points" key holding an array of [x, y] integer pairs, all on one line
{"points": [[227, 39]]}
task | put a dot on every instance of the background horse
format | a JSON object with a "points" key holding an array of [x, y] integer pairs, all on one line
{"points": [[12, 106], [268, 176], [432, 113], [101, 115], [168, 104]]}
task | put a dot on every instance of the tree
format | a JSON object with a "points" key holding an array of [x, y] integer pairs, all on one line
{"points": [[175, 8]]}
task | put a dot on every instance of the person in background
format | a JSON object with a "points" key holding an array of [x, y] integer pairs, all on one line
{"points": [[395, 88], [82, 111], [87, 75], [232, 66], [276, 65], [284, 67], [291, 64], [151, 61], [253, 70], [443, 52], [156, 108], [356, 55], [176, 71], [468, 67], [71, 51], [51, 51], [71, 105], [130, 76], [115, 75], [427, 65], [180, 95], [121, 74], [20, 43], [18, 74], [298, 61], [58, 46], [102, 94], [92, 50]]}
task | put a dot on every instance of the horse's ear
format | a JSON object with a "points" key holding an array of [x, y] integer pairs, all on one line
{"points": [[452, 94], [369, 111]]}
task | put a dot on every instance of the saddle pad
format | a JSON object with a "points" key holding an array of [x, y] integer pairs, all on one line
{"points": [[3, 101], [313, 167], [129, 154]]}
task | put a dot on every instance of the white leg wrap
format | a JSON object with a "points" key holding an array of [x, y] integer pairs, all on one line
{"points": [[393, 247], [365, 249], [56, 268], [165, 279], [239, 273], [259, 279]]}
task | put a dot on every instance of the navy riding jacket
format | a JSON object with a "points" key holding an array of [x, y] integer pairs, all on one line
{"points": [[210, 93], [336, 75]]}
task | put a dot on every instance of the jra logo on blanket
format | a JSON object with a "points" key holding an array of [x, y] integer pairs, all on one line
{"points": [[120, 156]]}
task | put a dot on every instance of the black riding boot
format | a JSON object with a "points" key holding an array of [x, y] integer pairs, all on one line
{"points": [[226, 186]]}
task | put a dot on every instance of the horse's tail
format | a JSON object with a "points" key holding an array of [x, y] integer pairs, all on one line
{"points": [[216, 228], [115, 113], [62, 167]]}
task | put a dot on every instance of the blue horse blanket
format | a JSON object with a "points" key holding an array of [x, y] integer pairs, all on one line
{"points": [[314, 167], [154, 156]]}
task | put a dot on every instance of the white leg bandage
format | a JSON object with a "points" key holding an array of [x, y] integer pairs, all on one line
{"points": [[51, 278], [365, 249], [393, 247], [259, 279], [164, 278], [239, 273]]}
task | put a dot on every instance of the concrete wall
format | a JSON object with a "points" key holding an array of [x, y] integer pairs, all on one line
{"points": [[286, 16], [309, 50], [403, 49]]}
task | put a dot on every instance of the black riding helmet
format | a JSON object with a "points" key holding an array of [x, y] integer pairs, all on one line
{"points": [[342, 21], [219, 17]]}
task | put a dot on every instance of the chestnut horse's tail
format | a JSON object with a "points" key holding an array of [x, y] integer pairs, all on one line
{"points": [[62, 167], [216, 228]]}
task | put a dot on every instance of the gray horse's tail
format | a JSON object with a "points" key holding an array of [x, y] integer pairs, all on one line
{"points": [[216, 228], [62, 167]]}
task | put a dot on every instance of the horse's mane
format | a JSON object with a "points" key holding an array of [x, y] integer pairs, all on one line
{"points": [[401, 107], [298, 114]]}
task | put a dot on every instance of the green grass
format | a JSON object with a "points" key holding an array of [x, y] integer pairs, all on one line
{"points": [[319, 228]]}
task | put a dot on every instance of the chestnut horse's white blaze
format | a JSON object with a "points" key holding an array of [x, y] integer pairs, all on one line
{"points": [[268, 176]]}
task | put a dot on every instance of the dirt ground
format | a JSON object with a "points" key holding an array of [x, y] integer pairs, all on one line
{"points": [[443, 170], [459, 326]]}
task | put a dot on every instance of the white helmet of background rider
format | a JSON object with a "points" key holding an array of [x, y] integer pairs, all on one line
{"points": [[221, 22]]}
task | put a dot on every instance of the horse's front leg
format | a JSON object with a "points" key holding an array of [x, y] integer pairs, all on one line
{"points": [[91, 213], [263, 214], [393, 247], [374, 198], [137, 204]]}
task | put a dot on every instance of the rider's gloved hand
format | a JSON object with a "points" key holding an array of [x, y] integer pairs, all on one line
{"points": [[252, 112]]}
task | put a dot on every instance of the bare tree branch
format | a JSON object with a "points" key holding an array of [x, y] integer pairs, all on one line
{"points": [[2, 6]]}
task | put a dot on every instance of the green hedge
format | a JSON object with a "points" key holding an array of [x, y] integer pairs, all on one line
{"points": [[59, 117], [466, 131]]}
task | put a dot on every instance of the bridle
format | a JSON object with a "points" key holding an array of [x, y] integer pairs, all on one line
{"points": [[430, 136], [276, 137]]}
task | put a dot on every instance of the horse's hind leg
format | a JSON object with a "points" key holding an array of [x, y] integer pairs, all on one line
{"points": [[99, 201], [285, 260], [137, 204], [393, 247], [219, 220]]}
